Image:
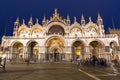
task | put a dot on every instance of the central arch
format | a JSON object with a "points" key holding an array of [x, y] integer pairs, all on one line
{"points": [[55, 47]]}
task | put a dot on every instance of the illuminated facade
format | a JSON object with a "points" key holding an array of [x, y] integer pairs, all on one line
{"points": [[59, 39]]}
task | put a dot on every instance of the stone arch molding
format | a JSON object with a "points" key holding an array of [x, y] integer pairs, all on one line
{"points": [[56, 47], [16, 42]]}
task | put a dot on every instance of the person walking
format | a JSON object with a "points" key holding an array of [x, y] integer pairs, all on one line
{"points": [[0, 62], [4, 64], [78, 62]]}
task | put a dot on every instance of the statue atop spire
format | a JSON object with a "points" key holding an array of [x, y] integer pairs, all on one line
{"points": [[30, 23], [68, 19], [44, 20], [37, 21], [16, 26], [82, 20], [23, 22], [90, 19], [75, 19], [99, 20], [17, 23], [55, 11]]}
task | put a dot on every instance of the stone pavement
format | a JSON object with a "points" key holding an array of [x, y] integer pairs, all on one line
{"points": [[57, 71]]}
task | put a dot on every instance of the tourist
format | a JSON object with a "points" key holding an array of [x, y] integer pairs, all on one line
{"points": [[78, 62], [4, 64]]}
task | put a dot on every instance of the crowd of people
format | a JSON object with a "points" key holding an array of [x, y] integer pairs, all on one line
{"points": [[94, 61]]}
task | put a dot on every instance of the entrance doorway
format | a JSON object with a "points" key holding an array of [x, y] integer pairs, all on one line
{"points": [[57, 55]]}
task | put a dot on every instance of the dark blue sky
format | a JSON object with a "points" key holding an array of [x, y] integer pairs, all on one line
{"points": [[11, 9]]}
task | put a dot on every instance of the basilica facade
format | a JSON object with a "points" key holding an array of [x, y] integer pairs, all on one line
{"points": [[59, 39]]}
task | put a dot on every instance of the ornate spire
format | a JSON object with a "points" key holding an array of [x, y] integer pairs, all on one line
{"points": [[68, 19], [30, 23], [16, 24], [44, 18], [99, 20], [44, 21], [99, 17], [31, 20], [82, 20], [17, 20]]}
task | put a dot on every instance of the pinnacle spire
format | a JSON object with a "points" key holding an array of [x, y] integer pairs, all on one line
{"points": [[82, 18], [31, 20], [17, 20], [99, 17]]}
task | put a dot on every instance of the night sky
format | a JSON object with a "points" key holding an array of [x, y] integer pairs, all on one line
{"points": [[24, 9]]}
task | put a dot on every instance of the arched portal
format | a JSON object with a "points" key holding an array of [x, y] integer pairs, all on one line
{"points": [[17, 50], [55, 49], [96, 48], [33, 50], [78, 49]]}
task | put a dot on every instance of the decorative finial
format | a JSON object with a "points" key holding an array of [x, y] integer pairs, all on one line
{"points": [[99, 17], [44, 18], [31, 19], [82, 18], [17, 20]]}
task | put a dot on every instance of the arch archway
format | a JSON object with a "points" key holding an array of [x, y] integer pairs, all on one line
{"points": [[17, 50], [54, 49], [78, 49], [96, 48], [32, 50]]}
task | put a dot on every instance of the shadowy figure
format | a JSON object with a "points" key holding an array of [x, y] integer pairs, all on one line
{"points": [[78, 62], [3, 63]]}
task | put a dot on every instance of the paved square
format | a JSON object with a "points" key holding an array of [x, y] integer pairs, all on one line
{"points": [[57, 71]]}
